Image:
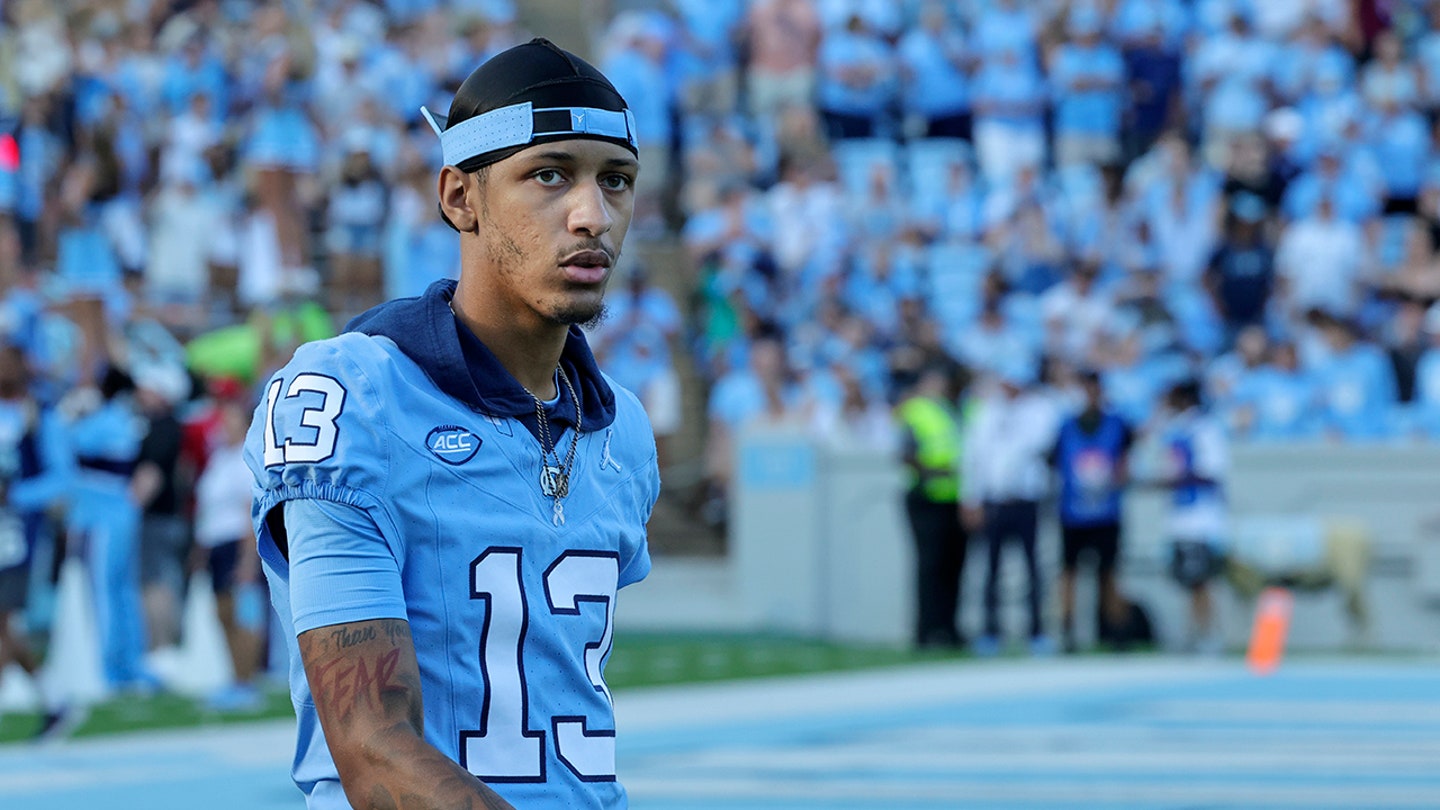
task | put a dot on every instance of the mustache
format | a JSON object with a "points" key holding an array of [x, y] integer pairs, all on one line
{"points": [[590, 245]]}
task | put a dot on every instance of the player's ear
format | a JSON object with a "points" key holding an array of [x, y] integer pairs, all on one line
{"points": [[455, 200]]}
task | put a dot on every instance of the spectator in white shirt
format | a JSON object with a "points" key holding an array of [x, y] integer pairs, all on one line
{"points": [[1004, 474], [1318, 261], [184, 221], [1076, 313], [225, 544]]}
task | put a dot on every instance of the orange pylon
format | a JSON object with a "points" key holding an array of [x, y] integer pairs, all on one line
{"points": [[1272, 624]]}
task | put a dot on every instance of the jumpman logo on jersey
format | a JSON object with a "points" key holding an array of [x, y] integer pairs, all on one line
{"points": [[606, 460]]}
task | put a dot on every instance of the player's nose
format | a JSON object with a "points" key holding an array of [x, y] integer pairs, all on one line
{"points": [[590, 213]]}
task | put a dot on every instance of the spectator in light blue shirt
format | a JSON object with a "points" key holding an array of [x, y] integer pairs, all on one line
{"points": [[935, 76], [962, 214], [708, 60], [637, 66], [1009, 101], [637, 69], [1389, 75], [1400, 138], [1224, 375], [137, 73], [995, 341], [857, 80], [880, 277], [1231, 82], [194, 71], [1356, 383], [1354, 198], [1277, 401], [1133, 379], [1328, 110], [763, 390], [1308, 53], [401, 74], [735, 227], [1427, 377], [1088, 79], [877, 211], [1005, 26], [763, 386]]}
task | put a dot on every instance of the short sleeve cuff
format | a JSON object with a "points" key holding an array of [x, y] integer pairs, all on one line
{"points": [[342, 568]]}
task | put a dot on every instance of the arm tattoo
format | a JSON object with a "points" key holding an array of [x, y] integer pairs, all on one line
{"points": [[343, 679], [366, 686]]}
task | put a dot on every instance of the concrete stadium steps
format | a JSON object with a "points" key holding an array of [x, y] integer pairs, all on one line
{"points": [[675, 526]]}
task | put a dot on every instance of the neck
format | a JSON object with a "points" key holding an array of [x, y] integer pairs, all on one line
{"points": [[529, 351]]}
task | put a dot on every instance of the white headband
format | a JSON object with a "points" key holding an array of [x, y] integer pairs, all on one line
{"points": [[520, 124]]}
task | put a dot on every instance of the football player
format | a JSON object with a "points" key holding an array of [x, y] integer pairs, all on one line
{"points": [[449, 494]]}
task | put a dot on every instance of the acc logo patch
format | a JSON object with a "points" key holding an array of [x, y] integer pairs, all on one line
{"points": [[452, 444]]}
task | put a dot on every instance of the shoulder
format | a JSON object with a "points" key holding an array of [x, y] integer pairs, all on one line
{"points": [[346, 354], [630, 417], [343, 374], [321, 426], [629, 444]]}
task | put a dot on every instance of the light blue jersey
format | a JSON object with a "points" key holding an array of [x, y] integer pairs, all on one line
{"points": [[410, 484]]}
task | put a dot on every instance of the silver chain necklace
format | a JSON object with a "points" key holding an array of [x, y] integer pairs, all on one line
{"points": [[555, 478]]}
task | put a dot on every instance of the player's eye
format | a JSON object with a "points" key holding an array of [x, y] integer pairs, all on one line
{"points": [[549, 177], [615, 182]]}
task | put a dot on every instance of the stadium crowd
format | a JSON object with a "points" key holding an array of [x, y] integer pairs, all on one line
{"points": [[1247, 192], [1243, 191]]}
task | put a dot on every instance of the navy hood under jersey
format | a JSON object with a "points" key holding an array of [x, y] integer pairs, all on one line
{"points": [[428, 333]]}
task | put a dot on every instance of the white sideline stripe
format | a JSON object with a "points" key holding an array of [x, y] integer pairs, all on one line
{"points": [[885, 689], [1370, 712], [880, 758], [1091, 792]]}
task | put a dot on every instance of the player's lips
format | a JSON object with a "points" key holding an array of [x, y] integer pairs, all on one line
{"points": [[586, 267]]}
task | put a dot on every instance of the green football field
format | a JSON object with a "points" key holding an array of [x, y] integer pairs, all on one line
{"points": [[638, 660]]}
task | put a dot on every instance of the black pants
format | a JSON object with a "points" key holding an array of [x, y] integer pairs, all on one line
{"points": [[840, 126], [949, 126], [939, 562], [1006, 520]]}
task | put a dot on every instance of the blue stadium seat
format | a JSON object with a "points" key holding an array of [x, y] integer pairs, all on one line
{"points": [[856, 159], [956, 273], [927, 163], [1080, 185]]}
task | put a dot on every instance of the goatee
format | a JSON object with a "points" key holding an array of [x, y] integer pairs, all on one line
{"points": [[587, 316]]}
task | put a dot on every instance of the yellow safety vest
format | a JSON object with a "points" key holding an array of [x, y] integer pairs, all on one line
{"points": [[936, 428]]}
